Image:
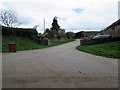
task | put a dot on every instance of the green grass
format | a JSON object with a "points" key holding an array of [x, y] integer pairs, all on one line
{"points": [[110, 50], [23, 43]]}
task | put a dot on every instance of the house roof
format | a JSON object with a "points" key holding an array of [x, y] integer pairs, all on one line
{"points": [[113, 24], [89, 32]]}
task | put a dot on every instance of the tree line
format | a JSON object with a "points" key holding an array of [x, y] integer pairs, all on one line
{"points": [[9, 19]]}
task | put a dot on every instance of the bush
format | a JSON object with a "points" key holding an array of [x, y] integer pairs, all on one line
{"points": [[70, 35], [39, 40], [8, 31], [98, 41]]}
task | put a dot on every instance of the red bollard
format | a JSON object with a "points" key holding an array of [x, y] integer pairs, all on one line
{"points": [[12, 47]]}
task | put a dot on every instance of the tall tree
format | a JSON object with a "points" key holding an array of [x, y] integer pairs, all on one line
{"points": [[55, 27]]}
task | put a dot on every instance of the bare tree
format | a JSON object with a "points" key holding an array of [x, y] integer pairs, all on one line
{"points": [[8, 18], [35, 27]]}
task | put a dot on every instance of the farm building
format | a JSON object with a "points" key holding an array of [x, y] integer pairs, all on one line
{"points": [[113, 30], [90, 33]]}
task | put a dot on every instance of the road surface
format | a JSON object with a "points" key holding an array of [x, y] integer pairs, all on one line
{"points": [[58, 67]]}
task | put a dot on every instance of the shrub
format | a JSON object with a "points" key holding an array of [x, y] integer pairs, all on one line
{"points": [[70, 35], [28, 32], [97, 41]]}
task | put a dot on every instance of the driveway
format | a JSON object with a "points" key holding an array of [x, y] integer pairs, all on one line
{"points": [[58, 67]]}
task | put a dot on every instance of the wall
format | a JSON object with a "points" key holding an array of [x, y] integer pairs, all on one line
{"points": [[90, 33], [113, 30]]}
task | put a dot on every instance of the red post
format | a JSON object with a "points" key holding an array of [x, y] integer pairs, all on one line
{"points": [[12, 47]]}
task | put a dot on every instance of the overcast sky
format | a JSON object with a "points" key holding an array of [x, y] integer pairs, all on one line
{"points": [[73, 15]]}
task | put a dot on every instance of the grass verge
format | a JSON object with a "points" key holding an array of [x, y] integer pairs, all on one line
{"points": [[23, 43], [110, 50]]}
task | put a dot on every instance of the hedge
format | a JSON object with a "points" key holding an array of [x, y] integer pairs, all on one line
{"points": [[25, 32], [97, 41]]}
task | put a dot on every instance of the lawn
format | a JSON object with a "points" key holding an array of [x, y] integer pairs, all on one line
{"points": [[110, 50], [26, 43]]}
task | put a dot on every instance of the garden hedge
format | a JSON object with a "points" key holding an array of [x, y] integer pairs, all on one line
{"points": [[97, 41], [25, 32]]}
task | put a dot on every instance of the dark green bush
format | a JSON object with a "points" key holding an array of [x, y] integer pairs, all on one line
{"points": [[98, 41], [28, 32]]}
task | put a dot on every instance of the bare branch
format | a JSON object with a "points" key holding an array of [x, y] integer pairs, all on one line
{"points": [[8, 18]]}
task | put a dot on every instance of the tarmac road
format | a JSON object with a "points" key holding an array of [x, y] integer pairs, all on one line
{"points": [[58, 67]]}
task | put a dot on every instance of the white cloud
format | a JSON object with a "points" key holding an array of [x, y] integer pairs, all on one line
{"points": [[96, 14]]}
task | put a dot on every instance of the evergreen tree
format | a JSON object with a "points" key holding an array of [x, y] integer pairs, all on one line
{"points": [[56, 31], [55, 25]]}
